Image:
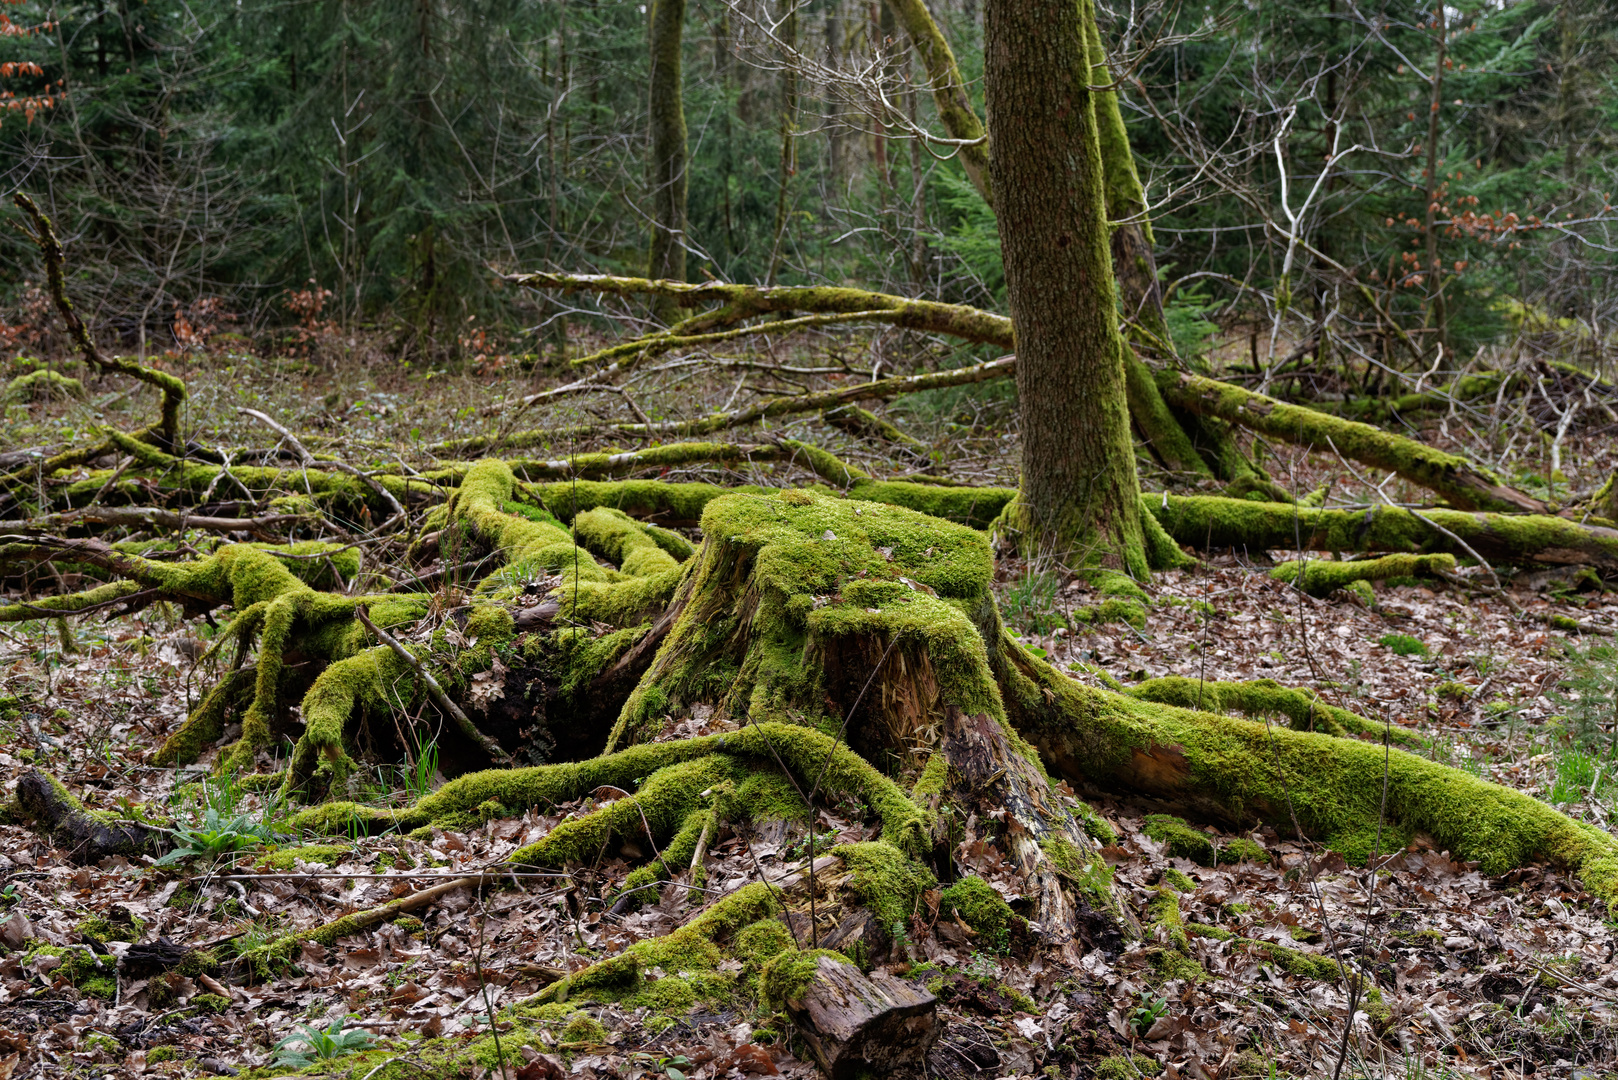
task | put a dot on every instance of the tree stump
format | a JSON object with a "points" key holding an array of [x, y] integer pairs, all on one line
{"points": [[854, 1022]]}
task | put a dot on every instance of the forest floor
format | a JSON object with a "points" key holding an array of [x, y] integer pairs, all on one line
{"points": [[1477, 976]]}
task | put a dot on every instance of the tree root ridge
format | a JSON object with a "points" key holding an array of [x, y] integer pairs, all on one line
{"points": [[1265, 697]]}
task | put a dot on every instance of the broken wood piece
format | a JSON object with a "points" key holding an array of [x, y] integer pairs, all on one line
{"points": [[855, 1023], [86, 836]]}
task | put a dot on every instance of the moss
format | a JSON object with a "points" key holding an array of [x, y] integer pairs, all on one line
{"points": [[977, 904], [79, 967], [932, 781], [1305, 965], [1163, 911], [409, 924], [788, 975], [209, 1003], [1178, 881], [689, 957], [583, 1030], [1171, 965], [1362, 591], [314, 854], [103, 930], [1181, 840], [1126, 1067], [1221, 523], [1242, 849], [889, 882], [159, 1054], [42, 385], [106, 1044], [1121, 609], [1322, 577]]}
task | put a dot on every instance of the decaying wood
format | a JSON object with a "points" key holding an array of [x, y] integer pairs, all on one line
{"points": [[856, 1024], [85, 837]]}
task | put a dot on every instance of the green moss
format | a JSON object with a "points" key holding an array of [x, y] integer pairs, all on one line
{"points": [[887, 881], [1170, 964], [1183, 842], [975, 903], [1266, 697], [1243, 849], [42, 385], [583, 1030], [79, 967], [1163, 911], [1305, 965], [105, 1044], [314, 854], [1362, 591], [788, 975], [1126, 1067], [159, 1054], [934, 776], [1178, 881], [1121, 609], [1403, 644], [103, 930]]}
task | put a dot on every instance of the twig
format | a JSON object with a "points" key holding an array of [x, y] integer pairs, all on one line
{"points": [[309, 462]]}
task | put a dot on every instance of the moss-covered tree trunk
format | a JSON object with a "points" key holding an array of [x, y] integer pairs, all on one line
{"points": [[669, 160], [1079, 496]]}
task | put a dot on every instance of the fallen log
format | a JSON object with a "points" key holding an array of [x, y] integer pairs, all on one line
{"points": [[88, 836]]}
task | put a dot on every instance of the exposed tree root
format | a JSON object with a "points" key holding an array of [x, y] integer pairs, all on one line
{"points": [[1265, 697], [1321, 577]]}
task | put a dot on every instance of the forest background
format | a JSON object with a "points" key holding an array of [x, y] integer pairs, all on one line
{"points": [[265, 168]]}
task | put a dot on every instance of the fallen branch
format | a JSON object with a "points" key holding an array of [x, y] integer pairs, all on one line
{"points": [[1450, 476], [1213, 522], [151, 517], [769, 407]]}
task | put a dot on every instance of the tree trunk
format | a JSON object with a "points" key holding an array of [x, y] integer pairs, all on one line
{"points": [[1079, 494], [668, 171]]}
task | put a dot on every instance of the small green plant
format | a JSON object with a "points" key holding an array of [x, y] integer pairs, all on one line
{"points": [[1403, 644], [419, 780], [1147, 1013], [216, 837], [671, 1067], [9, 894], [1031, 602], [1576, 773], [1587, 696], [320, 1045]]}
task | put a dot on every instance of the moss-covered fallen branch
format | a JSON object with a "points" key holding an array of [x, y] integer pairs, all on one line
{"points": [[1217, 523], [1454, 478]]}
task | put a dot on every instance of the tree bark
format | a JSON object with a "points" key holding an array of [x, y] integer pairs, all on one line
{"points": [[1079, 494], [668, 166]]}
